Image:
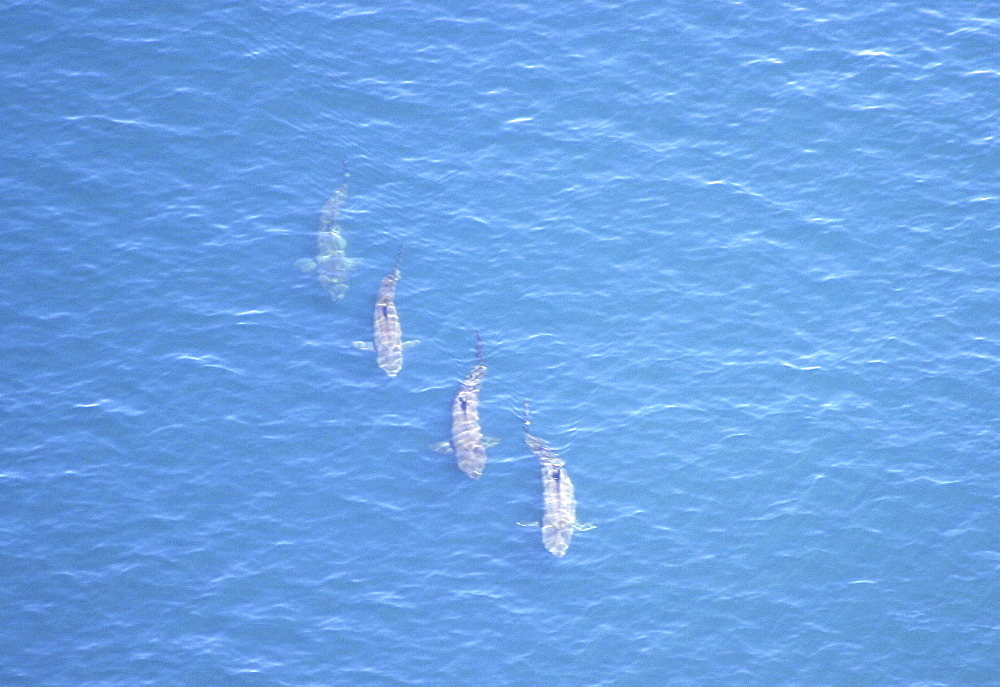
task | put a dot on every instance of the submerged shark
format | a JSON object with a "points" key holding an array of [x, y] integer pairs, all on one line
{"points": [[388, 342], [331, 264], [559, 520], [467, 441]]}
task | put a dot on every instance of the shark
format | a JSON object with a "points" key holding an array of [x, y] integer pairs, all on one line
{"points": [[559, 519], [331, 264], [467, 441], [388, 341]]}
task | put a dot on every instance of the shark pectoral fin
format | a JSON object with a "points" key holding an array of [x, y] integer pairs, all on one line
{"points": [[305, 264], [490, 442], [364, 345], [584, 526], [407, 345], [442, 447], [528, 524]]}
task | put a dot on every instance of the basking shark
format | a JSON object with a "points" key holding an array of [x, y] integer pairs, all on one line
{"points": [[331, 264], [559, 520], [388, 343], [467, 441]]}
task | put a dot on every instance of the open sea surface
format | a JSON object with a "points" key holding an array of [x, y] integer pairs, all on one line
{"points": [[742, 257]]}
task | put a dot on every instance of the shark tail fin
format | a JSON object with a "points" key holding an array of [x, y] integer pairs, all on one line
{"points": [[399, 258], [479, 348]]}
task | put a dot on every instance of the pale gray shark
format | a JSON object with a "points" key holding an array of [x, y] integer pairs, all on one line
{"points": [[559, 520], [388, 342], [467, 441], [331, 264]]}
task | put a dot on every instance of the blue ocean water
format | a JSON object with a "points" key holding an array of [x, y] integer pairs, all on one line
{"points": [[742, 257]]}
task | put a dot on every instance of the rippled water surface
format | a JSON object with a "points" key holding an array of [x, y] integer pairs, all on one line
{"points": [[743, 258]]}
